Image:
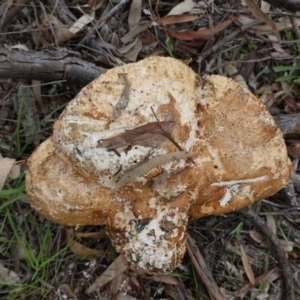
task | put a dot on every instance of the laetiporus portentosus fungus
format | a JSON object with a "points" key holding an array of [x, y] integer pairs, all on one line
{"points": [[146, 146]]}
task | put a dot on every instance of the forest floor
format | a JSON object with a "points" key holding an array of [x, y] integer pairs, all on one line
{"points": [[50, 50]]}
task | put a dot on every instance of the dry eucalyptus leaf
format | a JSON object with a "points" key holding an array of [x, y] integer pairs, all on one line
{"points": [[182, 7], [160, 182], [118, 266], [80, 249], [271, 223], [247, 266], [148, 135], [257, 237], [6, 165], [8, 276], [269, 276], [265, 6], [124, 99], [92, 235], [286, 245], [150, 164], [66, 290], [135, 12], [203, 34], [262, 16], [14, 173], [133, 53], [82, 22], [30, 117], [169, 20], [37, 92], [234, 270], [134, 31], [232, 71], [168, 279]]}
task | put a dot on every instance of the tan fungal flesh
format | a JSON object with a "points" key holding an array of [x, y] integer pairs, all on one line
{"points": [[232, 154]]}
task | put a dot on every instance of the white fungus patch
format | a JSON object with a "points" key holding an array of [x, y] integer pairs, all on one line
{"points": [[155, 245]]}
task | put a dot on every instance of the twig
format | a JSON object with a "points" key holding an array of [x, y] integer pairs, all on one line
{"points": [[226, 39], [62, 11], [295, 26], [293, 5], [49, 22], [101, 22], [277, 249], [168, 135], [8, 12], [47, 65], [202, 270]]}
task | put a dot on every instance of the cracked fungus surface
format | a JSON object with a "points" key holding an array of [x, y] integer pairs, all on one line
{"points": [[231, 155], [155, 245]]}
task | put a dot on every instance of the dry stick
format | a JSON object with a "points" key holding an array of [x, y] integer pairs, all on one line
{"points": [[277, 249], [202, 270], [62, 11], [47, 65], [293, 5], [102, 21], [7, 12], [168, 135], [227, 39], [295, 26], [49, 23]]}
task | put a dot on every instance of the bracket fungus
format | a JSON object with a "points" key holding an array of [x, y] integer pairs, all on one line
{"points": [[145, 147]]}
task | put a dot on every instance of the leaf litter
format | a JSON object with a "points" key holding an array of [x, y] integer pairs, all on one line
{"points": [[236, 39]]}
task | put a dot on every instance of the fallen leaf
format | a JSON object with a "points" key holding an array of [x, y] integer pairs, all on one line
{"points": [[182, 8], [202, 34], [231, 70], [265, 6], [263, 17], [169, 20], [82, 22], [37, 92], [291, 102], [286, 245], [258, 238], [92, 235], [294, 149], [30, 117], [135, 12], [165, 279], [118, 266], [66, 290], [124, 99], [8, 276], [14, 173], [134, 31], [235, 271], [133, 53], [269, 276], [80, 249], [150, 164], [6, 164], [247, 266], [160, 182], [271, 223], [148, 135]]}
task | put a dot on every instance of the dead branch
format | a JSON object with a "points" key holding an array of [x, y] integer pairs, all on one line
{"points": [[202, 270], [62, 11], [47, 65], [277, 249], [8, 11], [101, 22], [293, 5]]}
